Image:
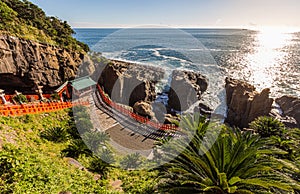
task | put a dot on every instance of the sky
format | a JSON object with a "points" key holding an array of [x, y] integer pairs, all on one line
{"points": [[174, 13]]}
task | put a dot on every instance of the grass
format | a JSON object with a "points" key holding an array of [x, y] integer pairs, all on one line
{"points": [[30, 163]]}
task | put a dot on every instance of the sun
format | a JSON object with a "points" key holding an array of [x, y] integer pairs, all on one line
{"points": [[268, 54]]}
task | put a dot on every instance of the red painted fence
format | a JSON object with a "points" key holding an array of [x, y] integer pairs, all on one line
{"points": [[133, 115], [19, 110]]}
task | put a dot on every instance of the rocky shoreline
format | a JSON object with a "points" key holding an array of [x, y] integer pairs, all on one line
{"points": [[25, 64], [244, 103]]}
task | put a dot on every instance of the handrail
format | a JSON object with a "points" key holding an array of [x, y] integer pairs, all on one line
{"points": [[133, 115]]}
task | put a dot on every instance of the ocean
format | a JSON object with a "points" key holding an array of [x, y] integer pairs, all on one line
{"points": [[266, 59]]}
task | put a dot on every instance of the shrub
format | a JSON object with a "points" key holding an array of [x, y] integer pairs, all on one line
{"points": [[76, 148], [99, 166], [55, 97], [20, 98], [131, 161], [95, 140], [267, 126], [55, 134]]}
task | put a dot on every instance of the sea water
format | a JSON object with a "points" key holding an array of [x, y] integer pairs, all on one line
{"points": [[266, 59]]}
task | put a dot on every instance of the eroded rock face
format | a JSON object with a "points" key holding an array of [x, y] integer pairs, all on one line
{"points": [[245, 103], [186, 89], [128, 83], [143, 109], [290, 107], [24, 63]]}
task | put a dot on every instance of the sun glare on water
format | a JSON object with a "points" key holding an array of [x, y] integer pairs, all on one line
{"points": [[268, 54]]}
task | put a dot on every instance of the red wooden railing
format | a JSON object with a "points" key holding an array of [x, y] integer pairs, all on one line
{"points": [[133, 115], [19, 110]]}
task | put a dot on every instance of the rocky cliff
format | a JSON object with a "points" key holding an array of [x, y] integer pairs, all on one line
{"points": [[245, 103], [186, 89], [24, 63], [290, 107], [128, 83]]}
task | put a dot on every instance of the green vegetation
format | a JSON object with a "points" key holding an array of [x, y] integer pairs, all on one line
{"points": [[32, 158], [36, 151], [20, 99], [237, 162], [267, 126], [23, 19]]}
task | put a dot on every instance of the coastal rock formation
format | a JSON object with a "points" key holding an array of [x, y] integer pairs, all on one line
{"points": [[186, 89], [245, 103], [290, 107], [171, 119], [25, 63], [128, 83], [143, 109]]}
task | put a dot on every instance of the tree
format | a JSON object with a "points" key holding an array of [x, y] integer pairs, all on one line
{"points": [[131, 161], [95, 140], [267, 126], [6, 13], [236, 163]]}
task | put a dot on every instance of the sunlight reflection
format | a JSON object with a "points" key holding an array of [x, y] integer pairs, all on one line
{"points": [[268, 54]]}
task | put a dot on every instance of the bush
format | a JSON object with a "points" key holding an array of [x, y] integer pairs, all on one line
{"points": [[99, 166], [28, 170], [55, 97], [55, 134], [131, 161], [76, 148], [267, 126], [20, 98], [95, 140], [26, 20]]}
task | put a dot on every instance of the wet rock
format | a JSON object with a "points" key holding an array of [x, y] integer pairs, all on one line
{"points": [[245, 103], [286, 120], [205, 110], [186, 89], [290, 107]]}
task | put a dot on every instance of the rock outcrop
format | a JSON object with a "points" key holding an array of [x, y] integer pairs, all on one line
{"points": [[24, 63], [186, 89], [245, 103], [290, 107], [143, 109], [128, 83]]}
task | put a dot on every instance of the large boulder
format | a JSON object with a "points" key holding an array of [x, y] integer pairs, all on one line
{"points": [[186, 89], [144, 109], [128, 83], [25, 63], [245, 103], [290, 107]]}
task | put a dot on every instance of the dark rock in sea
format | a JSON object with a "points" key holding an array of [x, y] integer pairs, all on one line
{"points": [[286, 120], [290, 107], [25, 63], [205, 110], [128, 83], [144, 109], [186, 89], [245, 103]]}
